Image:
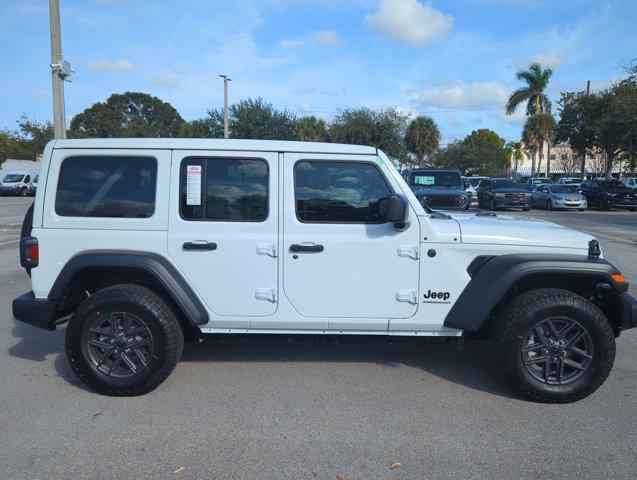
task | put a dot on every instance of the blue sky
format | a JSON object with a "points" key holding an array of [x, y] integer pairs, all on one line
{"points": [[453, 60]]}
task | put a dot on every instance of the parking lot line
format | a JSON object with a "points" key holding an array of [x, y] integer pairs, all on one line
{"points": [[9, 242]]}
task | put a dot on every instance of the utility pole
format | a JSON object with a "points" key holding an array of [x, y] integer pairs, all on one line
{"points": [[60, 71], [583, 167], [226, 79]]}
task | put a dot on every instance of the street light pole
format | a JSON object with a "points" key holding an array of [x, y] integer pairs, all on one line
{"points": [[226, 79], [60, 69]]}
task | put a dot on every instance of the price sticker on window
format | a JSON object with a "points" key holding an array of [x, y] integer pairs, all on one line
{"points": [[193, 185]]}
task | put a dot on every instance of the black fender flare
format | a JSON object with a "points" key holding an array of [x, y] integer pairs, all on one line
{"points": [[493, 276], [156, 265]]}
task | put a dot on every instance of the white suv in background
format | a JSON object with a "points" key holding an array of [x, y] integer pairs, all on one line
{"points": [[140, 243], [631, 182]]}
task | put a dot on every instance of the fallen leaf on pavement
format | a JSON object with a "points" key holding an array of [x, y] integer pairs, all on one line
{"points": [[109, 466], [283, 434], [339, 477], [178, 470], [97, 414], [142, 449], [395, 465]]}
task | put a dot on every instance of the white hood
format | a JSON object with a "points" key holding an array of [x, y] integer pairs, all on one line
{"points": [[510, 230]]}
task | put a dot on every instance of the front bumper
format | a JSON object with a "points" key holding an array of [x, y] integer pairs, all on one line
{"points": [[39, 312], [628, 311], [569, 204], [512, 202]]}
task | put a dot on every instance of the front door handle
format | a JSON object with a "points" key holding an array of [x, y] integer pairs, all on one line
{"points": [[199, 245], [296, 248]]}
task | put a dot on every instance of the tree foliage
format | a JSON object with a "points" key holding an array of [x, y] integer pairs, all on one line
{"points": [[130, 114], [422, 138], [538, 129], [254, 118], [311, 129], [482, 152], [27, 141], [536, 79], [384, 129]]}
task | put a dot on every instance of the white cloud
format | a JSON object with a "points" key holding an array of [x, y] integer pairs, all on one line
{"points": [[516, 118], [409, 21], [112, 66], [328, 38], [43, 94], [167, 81], [550, 59], [465, 96], [325, 37]]}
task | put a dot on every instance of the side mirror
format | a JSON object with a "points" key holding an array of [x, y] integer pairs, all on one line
{"points": [[393, 208]]}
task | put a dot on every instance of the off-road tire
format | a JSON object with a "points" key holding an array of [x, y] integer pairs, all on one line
{"points": [[166, 331], [526, 209], [492, 206], [24, 192], [522, 314], [27, 226]]}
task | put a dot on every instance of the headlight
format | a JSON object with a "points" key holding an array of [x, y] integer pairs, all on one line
{"points": [[611, 194], [558, 198], [526, 194], [499, 194]]}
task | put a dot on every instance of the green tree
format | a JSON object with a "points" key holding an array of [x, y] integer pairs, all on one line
{"points": [[517, 153], [311, 129], [577, 121], [27, 141], [254, 118], [536, 79], [130, 114], [422, 138], [481, 153], [210, 127], [384, 129], [538, 128]]}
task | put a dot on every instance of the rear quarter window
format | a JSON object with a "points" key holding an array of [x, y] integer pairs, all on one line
{"points": [[107, 186]]}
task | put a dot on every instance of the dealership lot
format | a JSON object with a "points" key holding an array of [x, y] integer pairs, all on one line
{"points": [[249, 409]]}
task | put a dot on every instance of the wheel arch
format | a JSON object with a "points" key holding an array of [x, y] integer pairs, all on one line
{"points": [[97, 269], [497, 279]]}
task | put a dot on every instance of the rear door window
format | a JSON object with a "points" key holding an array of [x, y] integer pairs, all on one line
{"points": [[107, 186]]}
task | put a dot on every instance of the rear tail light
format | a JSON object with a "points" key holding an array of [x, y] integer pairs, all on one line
{"points": [[29, 252]]}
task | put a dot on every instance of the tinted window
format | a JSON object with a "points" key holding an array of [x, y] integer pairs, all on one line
{"points": [[224, 189], [484, 184], [27, 179], [474, 181], [563, 189], [346, 192], [12, 178], [436, 179], [505, 183], [107, 186]]}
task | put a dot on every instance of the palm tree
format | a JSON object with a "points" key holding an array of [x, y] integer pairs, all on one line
{"points": [[311, 129], [536, 79], [518, 153], [538, 128], [422, 138]]}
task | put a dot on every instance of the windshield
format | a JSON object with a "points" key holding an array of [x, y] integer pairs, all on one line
{"points": [[13, 178], [505, 183], [35, 180], [475, 181], [612, 184], [436, 179], [563, 189]]}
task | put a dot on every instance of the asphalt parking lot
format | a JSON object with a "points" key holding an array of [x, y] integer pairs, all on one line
{"points": [[273, 410]]}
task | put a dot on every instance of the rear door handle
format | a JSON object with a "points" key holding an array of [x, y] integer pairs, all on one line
{"points": [[296, 248], [199, 245]]}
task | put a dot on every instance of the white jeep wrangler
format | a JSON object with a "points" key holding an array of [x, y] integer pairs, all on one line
{"points": [[138, 243]]}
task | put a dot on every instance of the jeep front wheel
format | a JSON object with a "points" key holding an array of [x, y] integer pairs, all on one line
{"points": [[553, 345], [123, 341]]}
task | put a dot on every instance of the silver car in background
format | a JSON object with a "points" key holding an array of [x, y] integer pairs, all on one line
{"points": [[558, 196]]}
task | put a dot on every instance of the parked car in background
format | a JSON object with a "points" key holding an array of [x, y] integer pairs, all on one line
{"points": [[439, 188], [573, 181], [557, 197], [16, 183], [607, 194], [631, 182], [473, 188], [33, 186], [531, 183], [497, 193]]}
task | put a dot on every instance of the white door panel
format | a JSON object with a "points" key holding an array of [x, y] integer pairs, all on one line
{"points": [[239, 277], [362, 276]]}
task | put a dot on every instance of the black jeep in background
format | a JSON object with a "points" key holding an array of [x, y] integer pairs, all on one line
{"points": [[497, 193], [607, 194], [438, 188]]}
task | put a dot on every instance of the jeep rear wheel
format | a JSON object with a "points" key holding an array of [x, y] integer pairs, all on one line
{"points": [[553, 345], [123, 341]]}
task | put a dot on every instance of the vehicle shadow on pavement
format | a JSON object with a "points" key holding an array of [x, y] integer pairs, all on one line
{"points": [[470, 367]]}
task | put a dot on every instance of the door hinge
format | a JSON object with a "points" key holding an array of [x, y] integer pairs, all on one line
{"points": [[268, 294], [267, 249], [411, 251], [408, 296]]}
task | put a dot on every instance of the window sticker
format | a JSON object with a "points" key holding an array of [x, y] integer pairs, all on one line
{"points": [[421, 180], [193, 185]]}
